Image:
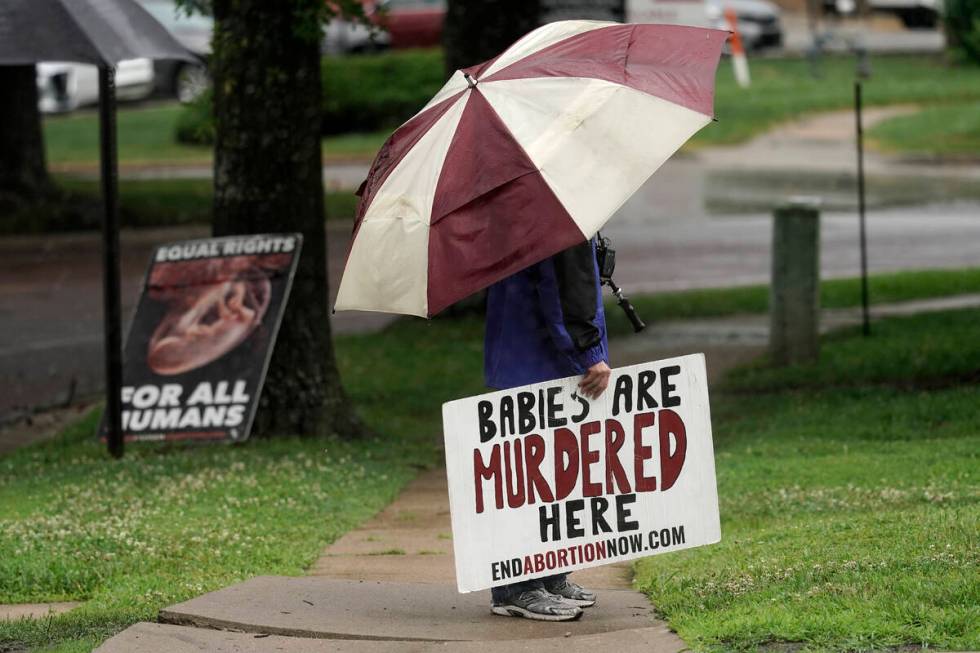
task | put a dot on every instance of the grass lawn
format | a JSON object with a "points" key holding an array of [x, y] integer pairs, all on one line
{"points": [[834, 293], [951, 131], [146, 137], [849, 500], [781, 89], [164, 202], [142, 203]]}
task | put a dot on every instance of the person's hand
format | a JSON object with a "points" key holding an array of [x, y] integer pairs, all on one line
{"points": [[595, 380]]}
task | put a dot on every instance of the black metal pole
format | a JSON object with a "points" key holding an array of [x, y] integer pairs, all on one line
{"points": [[865, 314], [110, 260]]}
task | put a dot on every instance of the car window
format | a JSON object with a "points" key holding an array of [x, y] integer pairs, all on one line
{"points": [[167, 13]]}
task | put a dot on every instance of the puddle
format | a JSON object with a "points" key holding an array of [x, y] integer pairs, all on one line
{"points": [[735, 192]]}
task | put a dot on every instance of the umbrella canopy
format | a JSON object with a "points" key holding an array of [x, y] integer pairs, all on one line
{"points": [[523, 156], [101, 32]]}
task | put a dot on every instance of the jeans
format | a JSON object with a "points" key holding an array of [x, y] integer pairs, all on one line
{"points": [[504, 592]]}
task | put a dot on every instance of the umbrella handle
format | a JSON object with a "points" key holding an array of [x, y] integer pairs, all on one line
{"points": [[628, 308]]}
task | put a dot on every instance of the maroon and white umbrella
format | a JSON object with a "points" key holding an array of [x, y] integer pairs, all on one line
{"points": [[523, 156]]}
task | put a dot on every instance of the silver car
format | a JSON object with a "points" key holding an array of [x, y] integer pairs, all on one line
{"points": [[64, 86], [183, 79], [758, 21]]}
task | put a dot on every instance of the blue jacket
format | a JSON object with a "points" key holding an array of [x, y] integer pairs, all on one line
{"points": [[546, 322]]}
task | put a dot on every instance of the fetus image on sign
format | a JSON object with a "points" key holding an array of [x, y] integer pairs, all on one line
{"points": [[212, 306]]}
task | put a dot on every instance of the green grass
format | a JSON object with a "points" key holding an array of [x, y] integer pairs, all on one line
{"points": [[834, 293], [848, 490], [783, 89], [167, 523], [938, 131], [152, 203], [353, 146], [142, 203], [146, 137], [932, 351], [849, 500]]}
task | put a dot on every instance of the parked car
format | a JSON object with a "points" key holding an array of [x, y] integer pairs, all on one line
{"points": [[914, 14], [410, 23], [759, 22], [342, 36], [184, 80], [64, 86]]}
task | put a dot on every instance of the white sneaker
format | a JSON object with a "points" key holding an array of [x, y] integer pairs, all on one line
{"points": [[537, 603], [571, 593]]}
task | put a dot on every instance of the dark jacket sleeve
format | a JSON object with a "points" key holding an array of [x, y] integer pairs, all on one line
{"points": [[575, 273], [568, 290]]}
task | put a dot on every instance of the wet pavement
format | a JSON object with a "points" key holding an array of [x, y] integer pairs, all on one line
{"points": [[51, 309], [50, 287], [668, 239]]}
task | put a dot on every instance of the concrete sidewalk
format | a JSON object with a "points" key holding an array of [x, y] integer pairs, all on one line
{"points": [[816, 155], [389, 586]]}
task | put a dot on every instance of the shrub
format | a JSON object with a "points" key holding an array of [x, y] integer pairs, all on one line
{"points": [[361, 93], [963, 27], [368, 93], [195, 124]]}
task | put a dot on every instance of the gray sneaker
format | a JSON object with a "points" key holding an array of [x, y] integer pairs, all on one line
{"points": [[571, 593], [537, 603]]}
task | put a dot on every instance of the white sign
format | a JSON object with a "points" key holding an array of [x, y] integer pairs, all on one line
{"points": [[544, 481]]}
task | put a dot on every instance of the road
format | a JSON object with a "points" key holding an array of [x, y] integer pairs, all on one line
{"points": [[701, 221]]}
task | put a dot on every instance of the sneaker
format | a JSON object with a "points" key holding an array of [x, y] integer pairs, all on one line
{"points": [[537, 603], [571, 593]]}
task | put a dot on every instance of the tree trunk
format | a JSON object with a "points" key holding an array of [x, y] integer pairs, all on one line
{"points": [[23, 174], [268, 178], [478, 30]]}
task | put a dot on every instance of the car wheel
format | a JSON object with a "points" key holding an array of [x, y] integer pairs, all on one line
{"points": [[191, 81], [64, 92], [919, 18]]}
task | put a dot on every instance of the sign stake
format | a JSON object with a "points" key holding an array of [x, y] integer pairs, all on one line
{"points": [[110, 253], [865, 312]]}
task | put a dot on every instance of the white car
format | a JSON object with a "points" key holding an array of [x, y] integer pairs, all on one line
{"points": [[759, 22], [348, 37], [64, 86], [914, 14]]}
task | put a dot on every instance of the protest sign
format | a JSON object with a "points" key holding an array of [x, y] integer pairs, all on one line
{"points": [[202, 336], [543, 480]]}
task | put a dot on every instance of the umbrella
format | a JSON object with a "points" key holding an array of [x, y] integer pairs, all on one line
{"points": [[523, 156], [100, 32]]}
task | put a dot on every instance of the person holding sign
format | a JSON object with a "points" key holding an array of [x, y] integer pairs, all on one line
{"points": [[547, 322]]}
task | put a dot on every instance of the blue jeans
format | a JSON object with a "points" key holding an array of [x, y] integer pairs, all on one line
{"points": [[504, 592]]}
